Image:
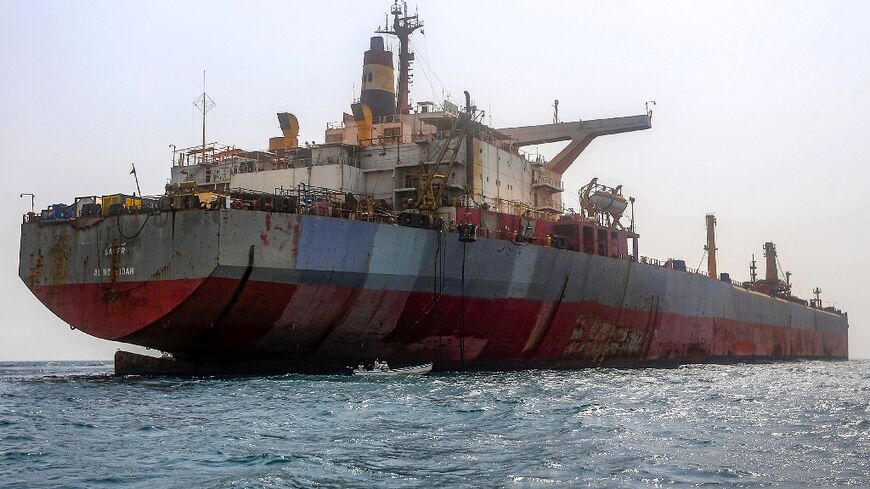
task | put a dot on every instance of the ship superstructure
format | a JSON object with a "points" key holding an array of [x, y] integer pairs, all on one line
{"points": [[415, 232], [407, 156]]}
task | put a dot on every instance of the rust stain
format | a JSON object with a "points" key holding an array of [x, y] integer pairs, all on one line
{"points": [[542, 324], [115, 262], [596, 339], [264, 234], [86, 223], [36, 269], [652, 324], [294, 225], [111, 295], [546, 316], [162, 272], [58, 257]]}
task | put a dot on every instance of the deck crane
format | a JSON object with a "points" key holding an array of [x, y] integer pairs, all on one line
{"points": [[434, 176]]}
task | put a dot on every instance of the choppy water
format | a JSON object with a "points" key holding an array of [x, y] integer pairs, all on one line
{"points": [[794, 424]]}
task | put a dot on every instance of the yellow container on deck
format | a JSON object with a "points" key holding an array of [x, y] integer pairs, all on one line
{"points": [[128, 201]]}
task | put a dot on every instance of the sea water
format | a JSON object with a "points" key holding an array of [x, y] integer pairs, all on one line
{"points": [[73, 424]]}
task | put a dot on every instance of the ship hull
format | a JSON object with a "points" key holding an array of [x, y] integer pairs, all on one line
{"points": [[234, 290]]}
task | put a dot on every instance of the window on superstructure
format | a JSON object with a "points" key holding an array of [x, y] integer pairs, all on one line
{"points": [[588, 240], [602, 242], [614, 244]]}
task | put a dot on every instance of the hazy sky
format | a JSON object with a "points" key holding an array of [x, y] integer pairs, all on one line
{"points": [[761, 113]]}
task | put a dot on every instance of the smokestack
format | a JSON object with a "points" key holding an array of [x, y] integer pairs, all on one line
{"points": [[378, 80]]}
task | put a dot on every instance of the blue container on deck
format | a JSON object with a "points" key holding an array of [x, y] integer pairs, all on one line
{"points": [[59, 212]]}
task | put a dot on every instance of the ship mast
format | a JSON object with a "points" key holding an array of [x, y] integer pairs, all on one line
{"points": [[204, 104], [752, 268], [403, 26], [711, 246]]}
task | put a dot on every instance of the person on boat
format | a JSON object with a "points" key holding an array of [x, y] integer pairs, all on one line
{"points": [[384, 366], [376, 365]]}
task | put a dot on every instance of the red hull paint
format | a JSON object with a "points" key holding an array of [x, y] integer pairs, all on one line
{"points": [[328, 326], [114, 311]]}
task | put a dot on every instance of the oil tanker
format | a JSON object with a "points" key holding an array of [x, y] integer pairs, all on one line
{"points": [[416, 233]]}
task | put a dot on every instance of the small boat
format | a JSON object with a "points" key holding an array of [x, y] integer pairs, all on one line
{"points": [[412, 370]]}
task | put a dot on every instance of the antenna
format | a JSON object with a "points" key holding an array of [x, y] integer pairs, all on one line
{"points": [[204, 104]]}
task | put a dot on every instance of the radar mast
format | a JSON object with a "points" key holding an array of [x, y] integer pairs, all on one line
{"points": [[403, 26]]}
